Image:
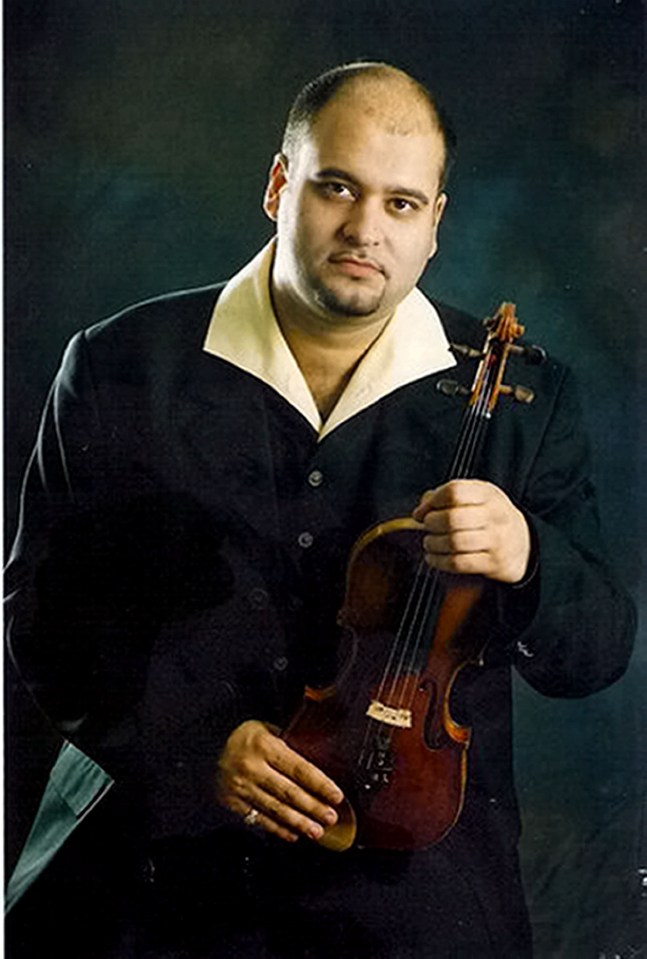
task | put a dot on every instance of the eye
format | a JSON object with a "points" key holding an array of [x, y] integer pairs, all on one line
{"points": [[334, 189], [400, 204]]}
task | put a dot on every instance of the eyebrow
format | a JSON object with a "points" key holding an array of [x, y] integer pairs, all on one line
{"points": [[335, 173]]}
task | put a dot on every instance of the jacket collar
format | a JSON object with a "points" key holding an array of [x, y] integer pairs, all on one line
{"points": [[245, 332]]}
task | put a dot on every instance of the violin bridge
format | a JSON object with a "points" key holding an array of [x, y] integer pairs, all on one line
{"points": [[390, 715]]}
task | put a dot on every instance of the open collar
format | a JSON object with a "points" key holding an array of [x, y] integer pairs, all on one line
{"points": [[245, 332]]}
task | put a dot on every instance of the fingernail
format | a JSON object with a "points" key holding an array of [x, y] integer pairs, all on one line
{"points": [[315, 832], [330, 817]]}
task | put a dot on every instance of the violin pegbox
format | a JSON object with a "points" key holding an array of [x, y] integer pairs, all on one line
{"points": [[503, 329]]}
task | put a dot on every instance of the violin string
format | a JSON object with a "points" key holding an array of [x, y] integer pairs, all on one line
{"points": [[430, 578], [423, 593], [426, 581], [405, 628], [425, 590], [417, 592], [407, 616], [425, 597], [417, 612], [463, 463]]}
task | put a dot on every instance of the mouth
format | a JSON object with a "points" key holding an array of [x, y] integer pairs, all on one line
{"points": [[356, 266]]}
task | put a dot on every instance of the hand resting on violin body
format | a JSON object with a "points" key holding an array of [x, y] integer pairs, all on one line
{"points": [[258, 770]]}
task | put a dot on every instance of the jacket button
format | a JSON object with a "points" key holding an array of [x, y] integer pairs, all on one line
{"points": [[315, 478], [280, 663], [258, 598], [524, 650], [305, 540]]}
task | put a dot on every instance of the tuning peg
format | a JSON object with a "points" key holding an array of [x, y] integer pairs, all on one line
{"points": [[451, 388], [533, 355], [467, 352], [522, 394]]}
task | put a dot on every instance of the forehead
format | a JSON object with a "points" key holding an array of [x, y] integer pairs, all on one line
{"points": [[376, 133]]}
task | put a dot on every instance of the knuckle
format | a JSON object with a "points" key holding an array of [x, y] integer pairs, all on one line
{"points": [[290, 795], [275, 808], [237, 783], [454, 540], [303, 771], [456, 491], [454, 563], [245, 767], [463, 563]]}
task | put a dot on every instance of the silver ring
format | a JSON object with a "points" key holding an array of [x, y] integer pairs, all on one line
{"points": [[250, 818]]}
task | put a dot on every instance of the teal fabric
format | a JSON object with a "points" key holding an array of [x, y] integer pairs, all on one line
{"points": [[76, 784]]}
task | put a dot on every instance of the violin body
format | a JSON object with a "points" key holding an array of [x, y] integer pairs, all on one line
{"points": [[385, 734]]}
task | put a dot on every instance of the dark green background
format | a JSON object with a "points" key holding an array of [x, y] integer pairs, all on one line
{"points": [[138, 138]]}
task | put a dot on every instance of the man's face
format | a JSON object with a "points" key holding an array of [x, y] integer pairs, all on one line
{"points": [[357, 213]]}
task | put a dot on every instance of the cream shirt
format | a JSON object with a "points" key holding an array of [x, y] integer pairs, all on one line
{"points": [[245, 332]]}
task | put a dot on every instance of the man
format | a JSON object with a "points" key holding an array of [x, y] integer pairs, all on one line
{"points": [[204, 465]]}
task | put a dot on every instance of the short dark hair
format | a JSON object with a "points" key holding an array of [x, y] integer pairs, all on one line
{"points": [[318, 92]]}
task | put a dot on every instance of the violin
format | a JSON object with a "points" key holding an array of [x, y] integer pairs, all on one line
{"points": [[384, 731]]}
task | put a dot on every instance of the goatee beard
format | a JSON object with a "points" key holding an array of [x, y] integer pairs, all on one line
{"points": [[349, 306]]}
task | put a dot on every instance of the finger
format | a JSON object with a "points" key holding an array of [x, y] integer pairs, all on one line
{"points": [[277, 797], [290, 817], [262, 821], [470, 564], [294, 767], [280, 795], [451, 494], [448, 521], [461, 541], [257, 769], [277, 829], [279, 816]]}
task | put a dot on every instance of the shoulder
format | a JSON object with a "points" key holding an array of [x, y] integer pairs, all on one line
{"points": [[145, 339], [162, 319]]}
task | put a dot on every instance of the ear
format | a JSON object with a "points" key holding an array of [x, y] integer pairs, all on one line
{"points": [[439, 208], [276, 182]]}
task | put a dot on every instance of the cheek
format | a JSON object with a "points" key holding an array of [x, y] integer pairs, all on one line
{"points": [[416, 250], [317, 225]]}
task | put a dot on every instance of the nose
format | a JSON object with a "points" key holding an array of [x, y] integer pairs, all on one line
{"points": [[363, 225]]}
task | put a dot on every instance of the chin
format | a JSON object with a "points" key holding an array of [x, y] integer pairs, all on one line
{"points": [[357, 304]]}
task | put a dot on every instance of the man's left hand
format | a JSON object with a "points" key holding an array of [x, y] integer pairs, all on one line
{"points": [[472, 527]]}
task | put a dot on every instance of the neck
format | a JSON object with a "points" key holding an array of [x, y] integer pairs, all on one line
{"points": [[327, 352]]}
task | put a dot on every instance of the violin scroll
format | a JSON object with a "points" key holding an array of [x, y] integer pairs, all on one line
{"points": [[503, 330]]}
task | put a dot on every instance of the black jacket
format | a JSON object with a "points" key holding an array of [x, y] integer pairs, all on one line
{"points": [[161, 590]]}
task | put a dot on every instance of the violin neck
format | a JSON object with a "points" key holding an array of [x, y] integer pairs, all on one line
{"points": [[469, 444]]}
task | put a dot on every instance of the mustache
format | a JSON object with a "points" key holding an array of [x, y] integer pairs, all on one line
{"points": [[359, 258]]}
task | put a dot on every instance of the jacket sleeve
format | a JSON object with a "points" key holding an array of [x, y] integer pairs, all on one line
{"points": [[579, 634], [58, 623], [93, 575]]}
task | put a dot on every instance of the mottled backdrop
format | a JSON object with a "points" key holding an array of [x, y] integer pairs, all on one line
{"points": [[138, 137]]}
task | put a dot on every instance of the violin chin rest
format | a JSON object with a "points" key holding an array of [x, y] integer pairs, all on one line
{"points": [[341, 836]]}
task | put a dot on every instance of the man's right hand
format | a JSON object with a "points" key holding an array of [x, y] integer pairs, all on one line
{"points": [[258, 771]]}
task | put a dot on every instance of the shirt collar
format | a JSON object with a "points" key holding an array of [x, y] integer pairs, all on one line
{"points": [[244, 331]]}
